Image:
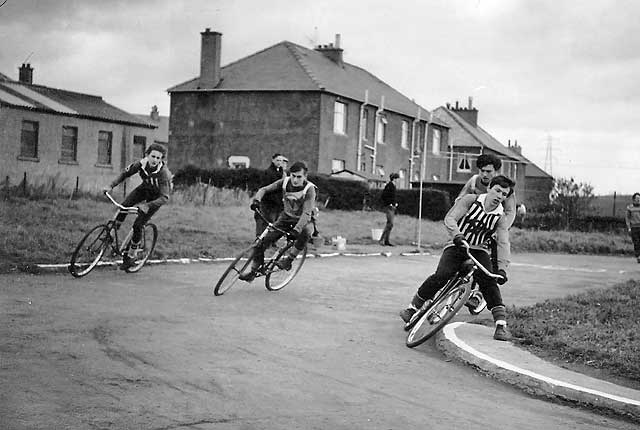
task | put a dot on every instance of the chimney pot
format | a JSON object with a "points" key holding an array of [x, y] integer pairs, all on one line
{"points": [[470, 102], [457, 107], [25, 74], [337, 44]]}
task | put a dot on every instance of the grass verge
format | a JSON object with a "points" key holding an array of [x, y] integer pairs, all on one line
{"points": [[597, 331]]}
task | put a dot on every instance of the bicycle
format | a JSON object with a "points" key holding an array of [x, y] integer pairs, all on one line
{"points": [[99, 239], [274, 278], [446, 303]]}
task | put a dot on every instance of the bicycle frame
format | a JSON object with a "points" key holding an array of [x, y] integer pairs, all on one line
{"points": [[131, 210]]}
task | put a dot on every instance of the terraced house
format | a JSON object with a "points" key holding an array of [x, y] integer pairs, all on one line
{"points": [[307, 103], [66, 138]]}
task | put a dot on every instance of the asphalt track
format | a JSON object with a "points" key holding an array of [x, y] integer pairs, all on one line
{"points": [[157, 350]]}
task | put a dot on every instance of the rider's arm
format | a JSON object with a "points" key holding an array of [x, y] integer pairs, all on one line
{"points": [[510, 209], [459, 209], [131, 170], [467, 189], [307, 209], [627, 218], [275, 186], [503, 244], [164, 187]]}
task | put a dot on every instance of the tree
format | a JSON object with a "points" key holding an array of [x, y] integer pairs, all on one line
{"points": [[570, 199]]}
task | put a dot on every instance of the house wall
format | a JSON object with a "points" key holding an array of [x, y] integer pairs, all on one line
{"points": [[206, 128], [536, 193], [48, 166]]}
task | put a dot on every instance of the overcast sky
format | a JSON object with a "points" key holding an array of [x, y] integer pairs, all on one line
{"points": [[546, 73]]}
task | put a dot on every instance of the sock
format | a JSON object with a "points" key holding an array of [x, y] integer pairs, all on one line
{"points": [[499, 315]]}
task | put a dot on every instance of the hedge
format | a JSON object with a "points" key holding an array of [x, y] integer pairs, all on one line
{"points": [[557, 221], [333, 193]]}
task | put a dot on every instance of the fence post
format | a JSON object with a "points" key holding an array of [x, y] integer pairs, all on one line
{"points": [[24, 184], [614, 205]]}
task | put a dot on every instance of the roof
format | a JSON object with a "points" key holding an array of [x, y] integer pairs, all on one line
{"points": [[287, 66], [533, 171], [463, 134], [51, 100]]}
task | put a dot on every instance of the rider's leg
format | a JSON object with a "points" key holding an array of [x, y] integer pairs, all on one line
{"points": [[133, 198], [448, 265], [291, 254], [492, 295]]}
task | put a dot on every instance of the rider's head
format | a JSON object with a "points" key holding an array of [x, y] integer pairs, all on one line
{"points": [[298, 173], [488, 165], [155, 152], [499, 189]]}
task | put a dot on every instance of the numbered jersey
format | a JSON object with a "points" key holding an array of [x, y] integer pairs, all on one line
{"points": [[478, 225]]}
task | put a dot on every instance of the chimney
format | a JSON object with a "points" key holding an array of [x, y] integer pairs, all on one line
{"points": [[332, 51], [469, 114], [25, 74], [516, 148], [210, 59], [155, 115]]}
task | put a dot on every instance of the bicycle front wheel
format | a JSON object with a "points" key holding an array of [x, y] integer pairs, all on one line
{"points": [[148, 242], [435, 317], [231, 274], [89, 251], [277, 278]]}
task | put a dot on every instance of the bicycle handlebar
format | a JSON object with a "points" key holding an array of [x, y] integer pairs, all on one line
{"points": [[128, 209], [478, 264], [270, 224]]}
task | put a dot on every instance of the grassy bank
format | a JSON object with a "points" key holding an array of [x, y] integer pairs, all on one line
{"points": [[595, 331]]}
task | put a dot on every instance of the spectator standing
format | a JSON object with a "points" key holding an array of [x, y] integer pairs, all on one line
{"points": [[632, 218], [389, 207], [271, 203]]}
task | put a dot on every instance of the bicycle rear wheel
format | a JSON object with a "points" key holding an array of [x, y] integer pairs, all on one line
{"points": [[90, 250], [277, 278], [432, 318], [230, 275], [148, 242]]}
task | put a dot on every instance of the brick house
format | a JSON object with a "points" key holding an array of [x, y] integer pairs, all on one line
{"points": [[467, 140], [306, 103], [52, 135]]}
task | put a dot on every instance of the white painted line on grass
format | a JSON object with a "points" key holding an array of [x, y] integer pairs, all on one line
{"points": [[561, 268], [449, 332]]}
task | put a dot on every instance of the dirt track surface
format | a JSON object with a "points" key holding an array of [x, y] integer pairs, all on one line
{"points": [[156, 350]]}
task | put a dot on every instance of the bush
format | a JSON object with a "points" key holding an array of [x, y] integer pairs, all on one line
{"points": [[554, 221], [342, 194]]}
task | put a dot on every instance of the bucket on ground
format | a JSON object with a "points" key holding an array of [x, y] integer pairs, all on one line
{"points": [[376, 233], [339, 242]]}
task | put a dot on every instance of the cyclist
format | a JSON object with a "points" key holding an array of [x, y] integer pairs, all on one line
{"points": [[474, 219], [148, 196], [488, 166], [299, 200]]}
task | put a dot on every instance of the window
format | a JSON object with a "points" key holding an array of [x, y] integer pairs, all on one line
{"points": [[69, 148], [421, 139], [363, 166], [365, 123], [139, 146], [104, 147], [402, 173], [340, 118], [29, 139], [337, 165], [436, 142], [238, 161], [404, 139], [382, 130], [463, 163], [380, 170]]}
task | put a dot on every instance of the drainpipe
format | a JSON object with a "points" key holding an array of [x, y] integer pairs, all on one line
{"points": [[413, 145], [362, 131], [375, 135]]}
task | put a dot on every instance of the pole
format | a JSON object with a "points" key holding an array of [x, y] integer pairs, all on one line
{"points": [[614, 205], [422, 174]]}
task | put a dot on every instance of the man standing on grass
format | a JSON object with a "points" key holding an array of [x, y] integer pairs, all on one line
{"points": [[389, 206], [271, 204], [632, 218]]}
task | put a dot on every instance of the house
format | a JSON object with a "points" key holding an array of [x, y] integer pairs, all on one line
{"points": [[450, 170], [308, 104], [538, 184], [75, 140]]}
